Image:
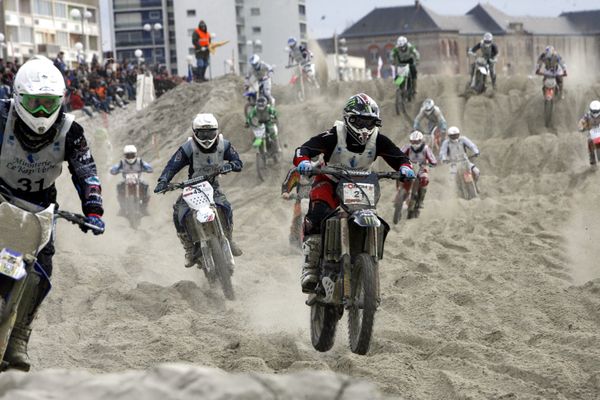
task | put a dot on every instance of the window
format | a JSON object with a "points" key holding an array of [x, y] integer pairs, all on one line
{"points": [[13, 34], [191, 13], [60, 10], [154, 15], [258, 48], [373, 54], [301, 9], [62, 39], [42, 7], [128, 20], [256, 29], [39, 38], [255, 11], [93, 42], [11, 5], [24, 6]]}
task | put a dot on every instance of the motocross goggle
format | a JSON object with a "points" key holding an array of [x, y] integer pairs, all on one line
{"points": [[360, 122], [205, 134], [416, 142], [45, 104], [130, 156]]}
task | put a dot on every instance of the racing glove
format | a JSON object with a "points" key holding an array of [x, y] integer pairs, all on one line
{"points": [[407, 172], [226, 168], [305, 167], [161, 186], [95, 220]]}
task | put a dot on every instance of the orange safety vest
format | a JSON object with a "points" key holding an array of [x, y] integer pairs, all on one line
{"points": [[204, 40]]}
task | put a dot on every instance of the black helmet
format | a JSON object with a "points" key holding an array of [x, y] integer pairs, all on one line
{"points": [[262, 103], [361, 115]]}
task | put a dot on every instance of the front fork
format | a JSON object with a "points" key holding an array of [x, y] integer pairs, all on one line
{"points": [[204, 232]]}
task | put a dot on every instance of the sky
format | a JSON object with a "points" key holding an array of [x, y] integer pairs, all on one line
{"points": [[326, 16]]}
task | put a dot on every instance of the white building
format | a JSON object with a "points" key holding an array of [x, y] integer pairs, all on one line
{"points": [[220, 20], [264, 27], [48, 26]]}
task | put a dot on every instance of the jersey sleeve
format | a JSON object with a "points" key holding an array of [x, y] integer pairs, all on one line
{"points": [[323, 143]]}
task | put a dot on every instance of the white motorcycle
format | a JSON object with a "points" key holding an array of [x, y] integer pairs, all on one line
{"points": [[26, 230], [205, 226]]}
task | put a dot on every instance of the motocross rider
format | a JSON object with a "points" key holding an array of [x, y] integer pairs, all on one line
{"points": [[205, 153], [264, 113], [354, 143], [489, 51], [36, 137], [420, 154], [262, 73], [454, 149], [132, 164], [406, 53], [300, 55], [554, 64], [434, 117], [590, 120]]}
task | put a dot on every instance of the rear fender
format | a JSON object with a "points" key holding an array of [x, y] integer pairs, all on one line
{"points": [[549, 93]]}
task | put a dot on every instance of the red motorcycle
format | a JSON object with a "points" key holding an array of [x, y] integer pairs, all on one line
{"points": [[551, 91]]}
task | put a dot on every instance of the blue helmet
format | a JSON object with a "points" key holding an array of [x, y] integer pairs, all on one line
{"points": [[292, 42]]}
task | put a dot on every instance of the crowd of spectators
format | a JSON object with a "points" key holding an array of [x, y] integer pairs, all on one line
{"points": [[95, 87]]}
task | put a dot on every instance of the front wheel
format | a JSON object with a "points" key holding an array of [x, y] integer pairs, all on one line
{"points": [[548, 108], [471, 190], [223, 269], [398, 203], [361, 314], [261, 165], [323, 322], [400, 106]]}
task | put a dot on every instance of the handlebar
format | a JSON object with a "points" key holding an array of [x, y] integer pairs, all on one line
{"points": [[78, 219], [348, 173], [191, 182]]}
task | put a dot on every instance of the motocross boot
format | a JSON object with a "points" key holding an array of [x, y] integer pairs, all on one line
{"points": [[16, 351], [235, 249], [189, 248], [422, 193], [310, 269]]}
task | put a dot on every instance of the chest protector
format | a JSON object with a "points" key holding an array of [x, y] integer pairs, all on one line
{"points": [[135, 168], [32, 172], [415, 157], [456, 151], [342, 157], [206, 163]]}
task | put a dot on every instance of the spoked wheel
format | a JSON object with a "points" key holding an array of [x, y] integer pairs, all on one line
{"points": [[261, 166], [361, 314], [323, 321], [223, 269], [548, 108], [398, 203]]}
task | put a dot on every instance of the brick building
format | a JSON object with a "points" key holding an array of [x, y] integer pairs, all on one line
{"points": [[443, 40]]}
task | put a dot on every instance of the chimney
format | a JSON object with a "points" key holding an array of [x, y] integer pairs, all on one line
{"points": [[417, 3]]}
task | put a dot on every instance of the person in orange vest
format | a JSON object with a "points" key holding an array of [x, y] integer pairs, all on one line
{"points": [[201, 42]]}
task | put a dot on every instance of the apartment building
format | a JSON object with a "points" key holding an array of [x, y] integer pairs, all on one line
{"points": [[49, 26], [147, 25]]}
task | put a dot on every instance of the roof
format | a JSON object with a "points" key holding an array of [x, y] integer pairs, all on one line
{"points": [[465, 24], [391, 21], [586, 21]]}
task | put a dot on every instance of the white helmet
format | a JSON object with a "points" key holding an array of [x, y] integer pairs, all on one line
{"points": [[453, 133], [206, 130], [39, 89], [416, 140], [130, 153], [254, 60], [428, 106], [487, 39], [595, 108], [402, 41]]}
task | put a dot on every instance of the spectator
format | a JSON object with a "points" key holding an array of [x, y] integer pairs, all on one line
{"points": [[201, 40], [60, 64]]}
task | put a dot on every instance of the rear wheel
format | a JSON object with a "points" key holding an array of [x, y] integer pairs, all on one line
{"points": [[548, 108], [361, 315], [470, 190], [323, 322], [223, 269]]}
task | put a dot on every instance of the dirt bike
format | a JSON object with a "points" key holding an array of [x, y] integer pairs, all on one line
{"points": [[412, 197], [205, 226], [463, 176], [436, 138], [26, 229], [252, 92], [305, 74], [594, 146], [133, 199], [480, 74], [266, 145], [353, 237], [404, 88], [550, 91]]}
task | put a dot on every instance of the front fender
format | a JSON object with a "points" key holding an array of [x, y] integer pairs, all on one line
{"points": [[365, 219]]}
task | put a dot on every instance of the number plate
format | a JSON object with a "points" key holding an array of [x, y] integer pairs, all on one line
{"points": [[354, 195], [595, 133], [11, 264]]}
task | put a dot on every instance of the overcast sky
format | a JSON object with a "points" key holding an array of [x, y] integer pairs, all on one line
{"points": [[339, 14]]}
